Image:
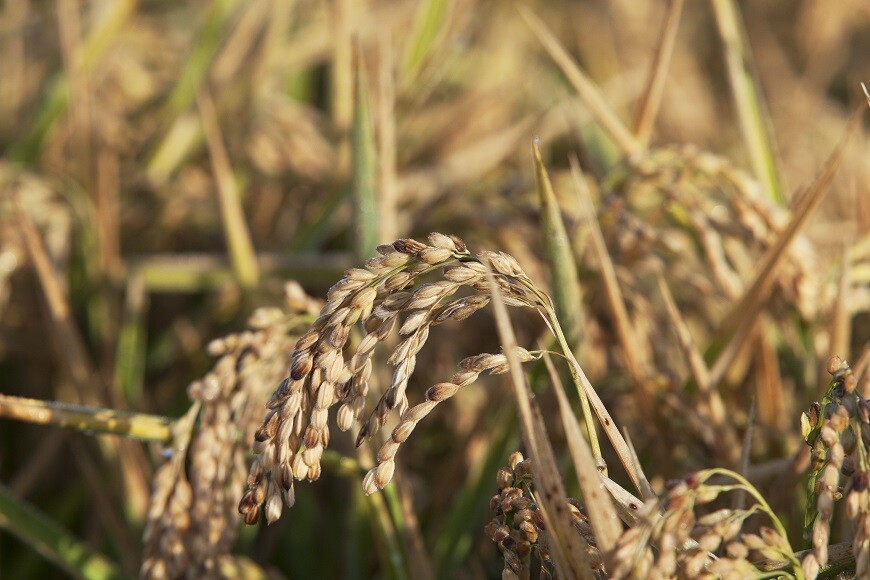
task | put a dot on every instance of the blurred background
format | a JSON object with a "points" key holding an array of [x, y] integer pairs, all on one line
{"points": [[166, 166]]}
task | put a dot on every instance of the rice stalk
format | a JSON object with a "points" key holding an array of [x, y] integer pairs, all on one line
{"points": [[602, 514], [746, 90], [650, 100], [568, 550], [739, 322], [567, 293], [584, 86], [365, 222], [238, 236], [428, 26]]}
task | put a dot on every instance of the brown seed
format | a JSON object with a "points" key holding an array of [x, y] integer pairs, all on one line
{"points": [[434, 256], [413, 322], [441, 391], [395, 259], [504, 478], [441, 241], [345, 417], [388, 451], [252, 517], [397, 281], [307, 340], [460, 245], [408, 246], [384, 473], [369, 486], [835, 363], [417, 412], [376, 264], [358, 274]]}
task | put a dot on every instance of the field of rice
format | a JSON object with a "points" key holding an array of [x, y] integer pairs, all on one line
{"points": [[436, 289]]}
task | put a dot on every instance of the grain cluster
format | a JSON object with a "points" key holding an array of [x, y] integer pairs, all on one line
{"points": [[326, 370]]}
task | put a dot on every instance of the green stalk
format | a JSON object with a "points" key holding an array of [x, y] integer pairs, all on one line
{"points": [[751, 111], [765, 507], [565, 284], [431, 16], [456, 539], [87, 419], [130, 352], [365, 212], [35, 529]]}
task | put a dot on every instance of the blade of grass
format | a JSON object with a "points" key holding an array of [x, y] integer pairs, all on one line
{"points": [[79, 110], [584, 86], [587, 392], [398, 498], [746, 90], [552, 322], [736, 327], [387, 179], [108, 213], [183, 131], [386, 522], [769, 399], [602, 514], [38, 531], [739, 499], [591, 402], [627, 505], [182, 138], [130, 353], [127, 382], [271, 67], [342, 83], [567, 548], [209, 37], [241, 247], [428, 23], [364, 223], [238, 44], [565, 283], [651, 98]]}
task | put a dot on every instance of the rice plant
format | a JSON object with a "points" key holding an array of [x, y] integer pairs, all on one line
{"points": [[625, 356]]}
